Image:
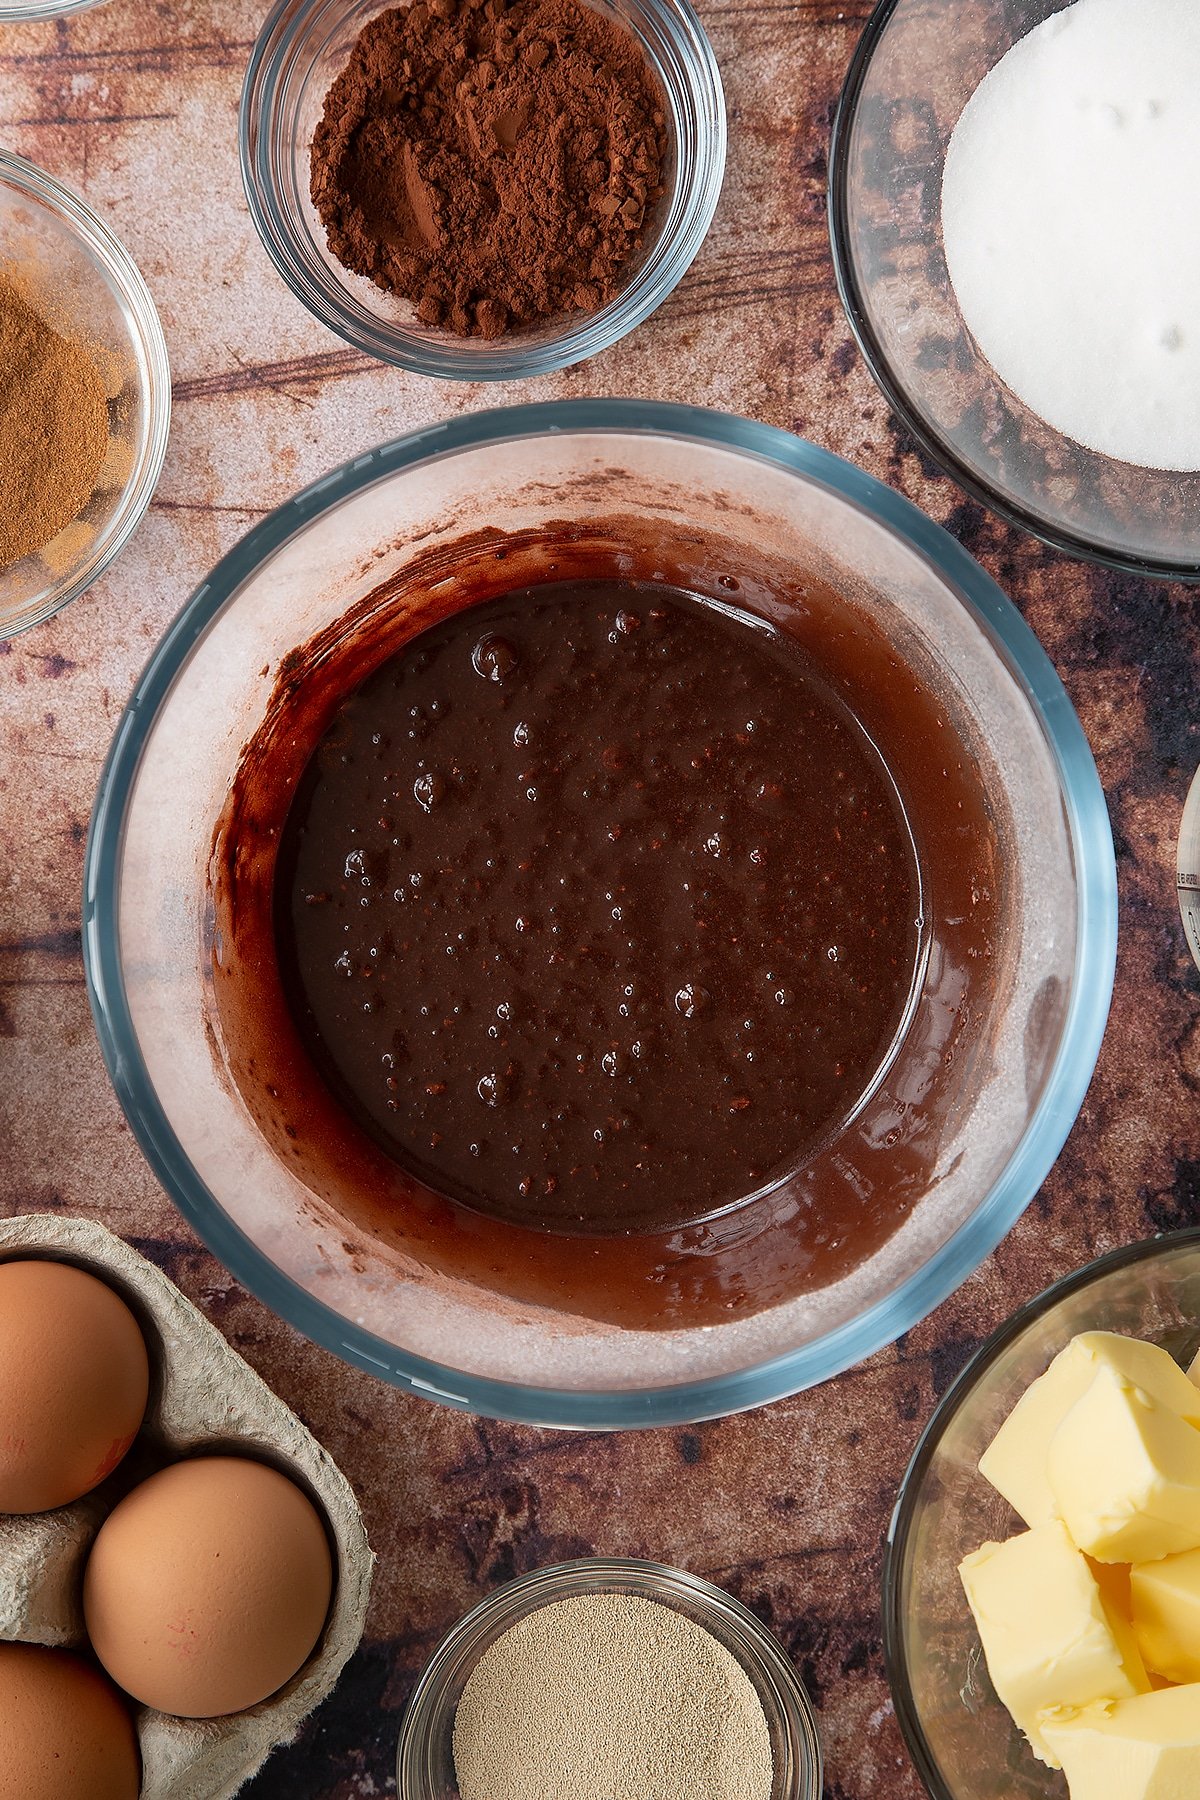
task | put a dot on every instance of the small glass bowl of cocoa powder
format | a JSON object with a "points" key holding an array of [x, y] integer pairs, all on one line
{"points": [[713, 1688], [88, 399], [416, 188]]}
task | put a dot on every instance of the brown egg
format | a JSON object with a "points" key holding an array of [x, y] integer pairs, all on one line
{"points": [[74, 1379], [208, 1586], [65, 1732]]}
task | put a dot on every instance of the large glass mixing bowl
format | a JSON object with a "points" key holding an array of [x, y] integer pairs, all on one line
{"points": [[720, 492]]}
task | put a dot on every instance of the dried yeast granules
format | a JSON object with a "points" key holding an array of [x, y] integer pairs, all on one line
{"points": [[495, 164], [610, 1697]]}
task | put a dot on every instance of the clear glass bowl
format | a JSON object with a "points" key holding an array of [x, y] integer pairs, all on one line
{"points": [[425, 1768], [916, 65], [94, 291], [305, 44], [962, 1740], [25, 11], [723, 494]]}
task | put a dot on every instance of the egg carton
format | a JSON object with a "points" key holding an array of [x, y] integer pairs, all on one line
{"points": [[202, 1396]]}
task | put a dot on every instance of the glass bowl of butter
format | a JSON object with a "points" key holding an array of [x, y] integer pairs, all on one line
{"points": [[1078, 1543]]}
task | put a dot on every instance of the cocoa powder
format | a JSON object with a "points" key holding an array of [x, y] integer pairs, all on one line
{"points": [[495, 164]]}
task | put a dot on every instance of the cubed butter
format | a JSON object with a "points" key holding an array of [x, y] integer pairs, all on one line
{"points": [[1015, 1462], [1147, 1748], [1047, 1635], [1165, 1605], [1125, 1473], [1113, 1581]]}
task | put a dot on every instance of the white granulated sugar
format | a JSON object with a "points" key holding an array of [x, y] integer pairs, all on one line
{"points": [[1071, 218]]}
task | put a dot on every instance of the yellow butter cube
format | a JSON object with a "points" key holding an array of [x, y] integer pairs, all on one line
{"points": [[1048, 1637], [1165, 1604], [1113, 1581], [1015, 1462], [1125, 1474], [1147, 1748]]}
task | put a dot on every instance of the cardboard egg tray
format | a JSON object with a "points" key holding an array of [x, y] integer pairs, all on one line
{"points": [[202, 1396]]}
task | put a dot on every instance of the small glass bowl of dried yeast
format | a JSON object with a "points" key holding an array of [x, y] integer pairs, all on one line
{"points": [[87, 400], [609, 1676]]}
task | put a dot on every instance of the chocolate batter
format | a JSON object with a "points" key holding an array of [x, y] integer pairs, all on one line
{"points": [[597, 908], [842, 1200]]}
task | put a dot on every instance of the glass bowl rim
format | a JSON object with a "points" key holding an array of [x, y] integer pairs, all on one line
{"points": [[587, 1575], [1000, 625], [31, 12], [506, 359], [149, 349], [1187, 857], [1058, 537], [908, 1714]]}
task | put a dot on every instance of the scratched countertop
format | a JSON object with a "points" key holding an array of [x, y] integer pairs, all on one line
{"points": [[135, 105]]}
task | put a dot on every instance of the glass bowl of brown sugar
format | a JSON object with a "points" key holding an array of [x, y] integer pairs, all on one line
{"points": [[629, 1672], [502, 225], [87, 399]]}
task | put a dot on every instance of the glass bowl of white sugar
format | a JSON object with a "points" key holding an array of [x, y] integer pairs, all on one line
{"points": [[1017, 241]]}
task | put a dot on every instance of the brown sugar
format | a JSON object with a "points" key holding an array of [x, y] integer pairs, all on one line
{"points": [[53, 428], [495, 164]]}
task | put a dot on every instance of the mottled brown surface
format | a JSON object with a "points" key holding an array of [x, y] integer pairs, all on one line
{"points": [[136, 105]]}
